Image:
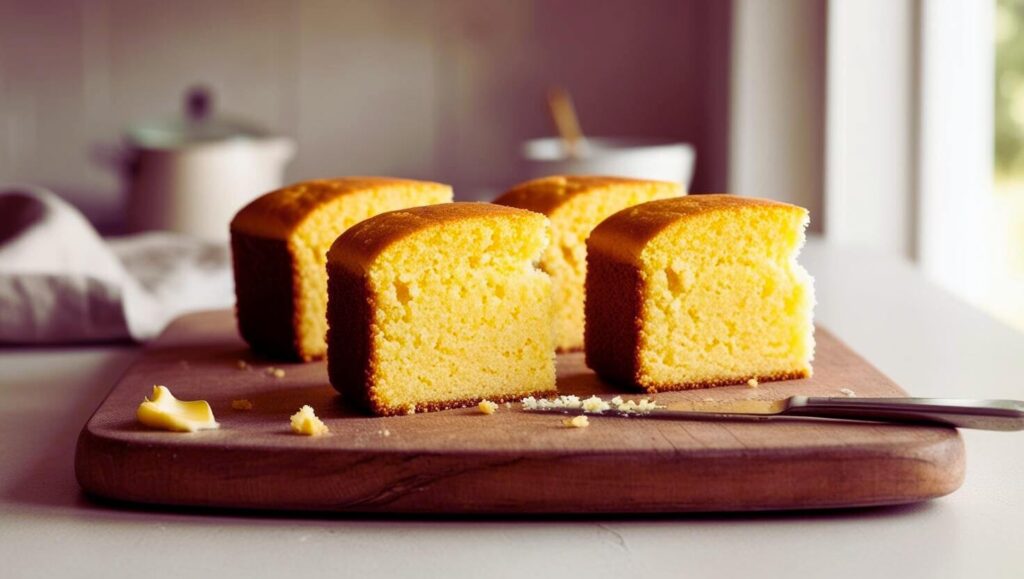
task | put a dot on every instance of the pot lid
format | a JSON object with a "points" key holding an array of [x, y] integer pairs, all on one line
{"points": [[199, 124]]}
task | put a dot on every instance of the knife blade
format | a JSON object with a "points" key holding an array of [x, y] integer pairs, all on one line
{"points": [[1003, 415]]}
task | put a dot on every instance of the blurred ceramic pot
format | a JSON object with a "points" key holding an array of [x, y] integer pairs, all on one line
{"points": [[191, 175], [656, 159]]}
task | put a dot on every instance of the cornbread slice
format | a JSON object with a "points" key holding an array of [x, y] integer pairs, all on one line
{"points": [[279, 244], [440, 306], [575, 205], [699, 291]]}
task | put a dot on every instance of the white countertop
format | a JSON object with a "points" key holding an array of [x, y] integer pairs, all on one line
{"points": [[926, 340]]}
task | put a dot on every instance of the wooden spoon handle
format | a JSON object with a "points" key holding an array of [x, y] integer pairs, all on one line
{"points": [[563, 113]]}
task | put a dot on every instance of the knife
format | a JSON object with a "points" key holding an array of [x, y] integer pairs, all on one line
{"points": [[1005, 415]]}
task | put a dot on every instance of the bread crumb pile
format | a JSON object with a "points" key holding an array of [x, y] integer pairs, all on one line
{"points": [[567, 402], [487, 407], [595, 405], [306, 422], [592, 405]]}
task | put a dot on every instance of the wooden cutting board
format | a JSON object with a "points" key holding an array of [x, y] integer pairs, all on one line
{"points": [[461, 461]]}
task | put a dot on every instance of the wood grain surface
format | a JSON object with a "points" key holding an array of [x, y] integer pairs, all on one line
{"points": [[461, 461]]}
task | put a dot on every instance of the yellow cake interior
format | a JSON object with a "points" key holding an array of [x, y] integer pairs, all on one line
{"points": [[461, 313], [566, 258], [313, 237], [724, 299]]}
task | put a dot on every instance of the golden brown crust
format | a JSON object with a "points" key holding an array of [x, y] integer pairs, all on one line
{"points": [[268, 279], [381, 410], [627, 232], [546, 194], [611, 324], [350, 358], [277, 214], [654, 388], [265, 287], [363, 242]]}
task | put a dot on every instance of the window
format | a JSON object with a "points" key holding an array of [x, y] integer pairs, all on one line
{"points": [[1006, 294]]}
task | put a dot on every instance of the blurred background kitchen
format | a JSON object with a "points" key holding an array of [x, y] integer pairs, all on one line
{"points": [[898, 123]]}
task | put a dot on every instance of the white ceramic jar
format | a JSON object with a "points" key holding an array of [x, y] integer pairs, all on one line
{"points": [[656, 159], [192, 175]]}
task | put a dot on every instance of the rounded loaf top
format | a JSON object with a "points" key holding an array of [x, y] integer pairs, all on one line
{"points": [[357, 247], [626, 233], [545, 194], [279, 213]]}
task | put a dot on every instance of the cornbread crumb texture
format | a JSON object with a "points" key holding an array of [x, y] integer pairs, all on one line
{"points": [[592, 405], [163, 411], [699, 291], [595, 405], [279, 244], [242, 404], [306, 422], [487, 407], [438, 307], [575, 205], [753, 383], [580, 421]]}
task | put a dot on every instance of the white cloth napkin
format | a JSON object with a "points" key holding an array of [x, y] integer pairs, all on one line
{"points": [[60, 282]]}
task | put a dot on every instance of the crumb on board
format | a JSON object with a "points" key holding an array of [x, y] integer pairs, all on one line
{"points": [[592, 405], [595, 405], [487, 407], [580, 421], [561, 402], [242, 404], [306, 422], [847, 392], [508, 405], [753, 383], [243, 365], [631, 406], [275, 372], [384, 432]]}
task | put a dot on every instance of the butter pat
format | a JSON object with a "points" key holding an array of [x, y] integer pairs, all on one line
{"points": [[580, 421], [165, 412], [305, 422]]}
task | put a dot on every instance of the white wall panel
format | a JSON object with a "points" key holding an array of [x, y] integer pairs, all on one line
{"points": [[440, 89]]}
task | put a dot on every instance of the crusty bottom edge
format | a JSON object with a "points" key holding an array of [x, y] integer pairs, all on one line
{"points": [[717, 382], [433, 406]]}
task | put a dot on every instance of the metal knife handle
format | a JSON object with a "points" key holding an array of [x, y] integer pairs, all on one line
{"points": [[978, 414]]}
